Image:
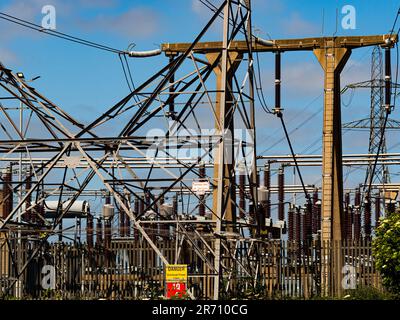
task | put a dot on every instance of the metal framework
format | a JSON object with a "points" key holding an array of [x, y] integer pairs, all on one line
{"points": [[143, 159], [375, 121]]}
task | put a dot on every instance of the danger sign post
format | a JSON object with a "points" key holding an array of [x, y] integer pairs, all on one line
{"points": [[176, 280]]}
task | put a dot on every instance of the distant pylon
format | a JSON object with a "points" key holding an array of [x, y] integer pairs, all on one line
{"points": [[376, 120]]}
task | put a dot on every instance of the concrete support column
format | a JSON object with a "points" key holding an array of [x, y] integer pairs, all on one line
{"points": [[332, 59]]}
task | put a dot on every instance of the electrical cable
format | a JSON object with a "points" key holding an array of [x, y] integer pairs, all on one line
{"points": [[125, 73], [295, 129], [57, 34], [395, 22], [259, 88], [307, 195]]}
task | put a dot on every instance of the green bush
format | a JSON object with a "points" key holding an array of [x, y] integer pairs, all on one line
{"points": [[386, 251]]}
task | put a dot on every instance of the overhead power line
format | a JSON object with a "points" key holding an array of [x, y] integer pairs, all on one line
{"points": [[57, 34]]}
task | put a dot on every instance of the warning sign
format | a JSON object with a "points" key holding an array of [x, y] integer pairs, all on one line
{"points": [[176, 280], [200, 187], [176, 272]]}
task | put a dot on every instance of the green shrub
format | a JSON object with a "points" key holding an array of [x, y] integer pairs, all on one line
{"points": [[386, 251]]}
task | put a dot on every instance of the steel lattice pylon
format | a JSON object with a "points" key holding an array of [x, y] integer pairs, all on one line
{"points": [[376, 120]]}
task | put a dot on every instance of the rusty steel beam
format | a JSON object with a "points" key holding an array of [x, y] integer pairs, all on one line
{"points": [[302, 44]]}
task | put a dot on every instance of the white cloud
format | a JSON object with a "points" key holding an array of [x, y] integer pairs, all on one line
{"points": [[98, 3], [355, 71], [7, 56], [137, 22], [297, 25], [299, 79], [201, 9]]}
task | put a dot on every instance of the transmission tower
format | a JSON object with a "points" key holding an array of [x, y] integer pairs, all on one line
{"points": [[377, 119], [375, 122]]}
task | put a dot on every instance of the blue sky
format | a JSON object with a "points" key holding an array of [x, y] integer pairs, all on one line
{"points": [[86, 81], [76, 76]]}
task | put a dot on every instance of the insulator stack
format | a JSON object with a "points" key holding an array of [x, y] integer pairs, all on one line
{"points": [[377, 210], [277, 81], [7, 193], [267, 176], [171, 104], [89, 231], [357, 225], [141, 206], [108, 199], [357, 199], [298, 225], [242, 194], [319, 215], [281, 194], [303, 227], [308, 221], [122, 217], [163, 229], [258, 178], [291, 225], [202, 207], [252, 213], [10, 200], [34, 212], [367, 217], [127, 218], [107, 241], [348, 226], [175, 205], [267, 185], [350, 219], [99, 233], [147, 198], [315, 212], [388, 79], [107, 233], [28, 202], [357, 215], [42, 211], [260, 219]]}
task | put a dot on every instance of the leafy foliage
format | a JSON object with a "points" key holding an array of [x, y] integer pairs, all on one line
{"points": [[386, 250]]}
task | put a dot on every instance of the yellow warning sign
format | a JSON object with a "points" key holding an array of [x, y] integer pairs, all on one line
{"points": [[176, 272]]}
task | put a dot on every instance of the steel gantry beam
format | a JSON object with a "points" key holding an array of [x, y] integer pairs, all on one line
{"points": [[332, 53]]}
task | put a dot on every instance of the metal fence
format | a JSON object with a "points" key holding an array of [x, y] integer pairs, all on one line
{"points": [[130, 269]]}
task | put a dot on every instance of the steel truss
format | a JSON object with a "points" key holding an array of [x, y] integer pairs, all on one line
{"points": [[104, 160]]}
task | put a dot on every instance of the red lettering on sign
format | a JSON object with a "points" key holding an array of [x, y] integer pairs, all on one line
{"points": [[176, 289]]}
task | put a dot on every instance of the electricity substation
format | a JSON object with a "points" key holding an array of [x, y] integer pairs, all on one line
{"points": [[103, 209]]}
